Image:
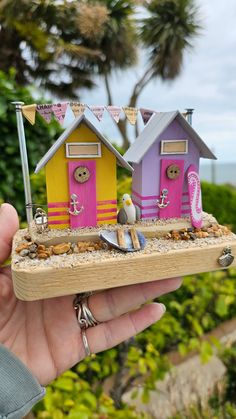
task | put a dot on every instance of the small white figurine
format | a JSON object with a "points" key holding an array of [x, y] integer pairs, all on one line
{"points": [[130, 213]]}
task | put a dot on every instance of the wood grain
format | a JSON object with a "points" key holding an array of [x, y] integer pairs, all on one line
{"points": [[134, 238], [121, 237], [34, 284]]}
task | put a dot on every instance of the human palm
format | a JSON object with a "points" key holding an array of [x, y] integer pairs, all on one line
{"points": [[45, 334]]}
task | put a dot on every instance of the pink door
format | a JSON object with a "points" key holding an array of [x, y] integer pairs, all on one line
{"points": [[82, 193], [171, 188]]}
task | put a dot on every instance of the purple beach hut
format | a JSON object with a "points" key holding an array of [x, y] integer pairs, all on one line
{"points": [[165, 158]]}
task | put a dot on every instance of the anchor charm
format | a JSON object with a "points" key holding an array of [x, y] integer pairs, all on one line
{"points": [[74, 204], [163, 196]]}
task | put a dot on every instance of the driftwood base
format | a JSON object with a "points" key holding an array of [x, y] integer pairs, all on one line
{"points": [[71, 274]]}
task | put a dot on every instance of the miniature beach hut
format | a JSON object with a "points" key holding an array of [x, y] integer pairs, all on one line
{"points": [[165, 158], [81, 177]]}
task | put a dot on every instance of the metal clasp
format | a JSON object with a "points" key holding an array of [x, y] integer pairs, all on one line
{"points": [[226, 258], [163, 196], [74, 202]]}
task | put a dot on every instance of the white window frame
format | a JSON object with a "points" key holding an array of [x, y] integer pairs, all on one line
{"points": [[83, 155], [174, 152]]}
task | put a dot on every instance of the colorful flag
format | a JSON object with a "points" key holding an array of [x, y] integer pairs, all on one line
{"points": [[131, 114], [77, 108], [59, 110], [97, 111], [146, 114], [115, 112], [29, 112], [45, 111]]}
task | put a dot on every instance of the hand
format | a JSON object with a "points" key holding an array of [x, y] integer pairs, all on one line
{"points": [[45, 334]]}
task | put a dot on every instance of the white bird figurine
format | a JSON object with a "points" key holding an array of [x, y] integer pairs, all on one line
{"points": [[130, 213]]}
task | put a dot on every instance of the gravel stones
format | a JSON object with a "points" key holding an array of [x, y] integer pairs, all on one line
{"points": [[33, 250], [214, 230], [61, 248]]}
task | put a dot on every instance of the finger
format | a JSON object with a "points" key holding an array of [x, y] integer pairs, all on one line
{"points": [[109, 334], [9, 224], [113, 303]]}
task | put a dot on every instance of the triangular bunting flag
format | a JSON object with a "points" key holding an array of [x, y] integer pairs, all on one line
{"points": [[115, 112], [97, 111], [77, 108], [59, 110], [131, 114], [45, 111], [146, 114], [29, 112]]}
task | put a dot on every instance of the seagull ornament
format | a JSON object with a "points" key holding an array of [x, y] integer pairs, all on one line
{"points": [[130, 213]]}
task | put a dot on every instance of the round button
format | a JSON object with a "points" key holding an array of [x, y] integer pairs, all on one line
{"points": [[81, 174], [173, 171]]}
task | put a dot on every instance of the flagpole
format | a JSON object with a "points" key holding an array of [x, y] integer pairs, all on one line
{"points": [[24, 160]]}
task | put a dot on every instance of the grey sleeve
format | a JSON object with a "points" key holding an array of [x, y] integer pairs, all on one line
{"points": [[19, 390]]}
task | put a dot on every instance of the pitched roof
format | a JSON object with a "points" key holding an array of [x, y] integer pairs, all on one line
{"points": [[158, 123], [66, 134]]}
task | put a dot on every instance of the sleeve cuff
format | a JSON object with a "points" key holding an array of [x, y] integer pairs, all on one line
{"points": [[19, 390]]}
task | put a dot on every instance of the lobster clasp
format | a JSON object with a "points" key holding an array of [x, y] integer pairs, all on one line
{"points": [[74, 202], [161, 203]]}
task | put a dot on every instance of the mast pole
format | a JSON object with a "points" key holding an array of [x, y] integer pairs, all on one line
{"points": [[24, 160]]}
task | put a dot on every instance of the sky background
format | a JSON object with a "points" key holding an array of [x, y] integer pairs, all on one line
{"points": [[207, 83]]}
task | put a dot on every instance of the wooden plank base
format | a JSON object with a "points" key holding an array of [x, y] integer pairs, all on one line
{"points": [[45, 282]]}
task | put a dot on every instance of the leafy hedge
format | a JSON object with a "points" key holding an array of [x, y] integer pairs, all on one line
{"points": [[201, 304], [38, 137], [220, 200]]}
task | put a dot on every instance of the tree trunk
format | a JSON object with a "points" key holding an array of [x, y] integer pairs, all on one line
{"points": [[137, 90]]}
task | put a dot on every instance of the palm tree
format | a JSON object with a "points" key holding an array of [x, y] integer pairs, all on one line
{"points": [[166, 31], [42, 41]]}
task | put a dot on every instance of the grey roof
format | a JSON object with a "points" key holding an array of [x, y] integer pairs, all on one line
{"points": [[65, 135], [152, 131]]}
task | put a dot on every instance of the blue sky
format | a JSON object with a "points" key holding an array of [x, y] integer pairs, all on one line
{"points": [[207, 83]]}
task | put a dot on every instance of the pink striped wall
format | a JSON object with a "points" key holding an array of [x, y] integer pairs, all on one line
{"points": [[148, 205]]}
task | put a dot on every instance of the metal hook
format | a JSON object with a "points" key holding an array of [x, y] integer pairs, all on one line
{"points": [[74, 203], [163, 196]]}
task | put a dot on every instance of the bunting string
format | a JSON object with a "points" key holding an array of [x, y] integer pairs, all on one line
{"points": [[60, 110]]}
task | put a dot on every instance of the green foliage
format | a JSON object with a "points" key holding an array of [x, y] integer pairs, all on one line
{"points": [[70, 396], [220, 200], [39, 138], [167, 31], [200, 305]]}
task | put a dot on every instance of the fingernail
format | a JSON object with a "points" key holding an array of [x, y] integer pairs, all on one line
{"points": [[163, 307]]}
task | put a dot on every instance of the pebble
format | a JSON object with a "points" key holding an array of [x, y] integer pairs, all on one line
{"points": [[41, 247], [21, 247], [43, 255], [32, 255], [27, 237], [61, 248], [214, 230], [33, 247], [24, 252]]}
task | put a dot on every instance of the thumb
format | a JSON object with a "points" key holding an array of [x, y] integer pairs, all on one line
{"points": [[9, 224]]}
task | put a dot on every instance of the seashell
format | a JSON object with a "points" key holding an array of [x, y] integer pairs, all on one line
{"points": [[227, 258], [110, 237]]}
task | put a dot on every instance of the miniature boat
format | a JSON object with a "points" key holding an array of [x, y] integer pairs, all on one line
{"points": [[129, 240]]}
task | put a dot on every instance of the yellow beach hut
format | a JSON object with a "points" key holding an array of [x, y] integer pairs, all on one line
{"points": [[81, 177]]}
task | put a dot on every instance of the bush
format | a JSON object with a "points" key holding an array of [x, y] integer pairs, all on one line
{"points": [[201, 304], [220, 200], [38, 137]]}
